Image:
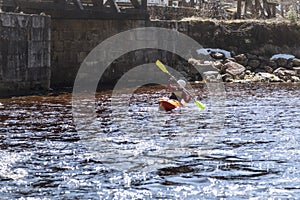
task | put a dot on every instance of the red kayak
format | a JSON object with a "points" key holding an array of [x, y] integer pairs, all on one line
{"points": [[168, 104]]}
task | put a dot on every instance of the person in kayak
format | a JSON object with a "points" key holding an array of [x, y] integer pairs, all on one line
{"points": [[177, 92]]}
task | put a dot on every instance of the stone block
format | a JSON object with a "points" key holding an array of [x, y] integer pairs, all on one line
{"points": [[68, 35], [8, 20], [38, 22], [23, 21]]}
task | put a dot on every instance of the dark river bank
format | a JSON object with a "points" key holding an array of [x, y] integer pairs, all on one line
{"points": [[255, 154]]}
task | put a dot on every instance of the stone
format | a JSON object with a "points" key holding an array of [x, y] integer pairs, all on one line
{"points": [[295, 79], [281, 62], [267, 77], [297, 69], [272, 64], [296, 62], [234, 68], [249, 77], [254, 63], [241, 59], [217, 55], [206, 66], [289, 65], [285, 74], [211, 76], [248, 72], [268, 69], [218, 65], [227, 77]]}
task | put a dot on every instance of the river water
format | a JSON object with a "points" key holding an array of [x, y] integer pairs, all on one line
{"points": [[255, 154]]}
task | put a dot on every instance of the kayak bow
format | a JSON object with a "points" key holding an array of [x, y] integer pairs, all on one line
{"points": [[168, 104]]}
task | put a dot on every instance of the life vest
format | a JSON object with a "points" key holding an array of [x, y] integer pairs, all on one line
{"points": [[178, 95]]}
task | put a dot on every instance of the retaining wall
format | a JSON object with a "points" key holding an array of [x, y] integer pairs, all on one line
{"points": [[24, 53], [74, 39]]}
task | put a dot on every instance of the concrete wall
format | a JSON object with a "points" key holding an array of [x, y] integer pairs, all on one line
{"points": [[74, 39], [24, 53]]}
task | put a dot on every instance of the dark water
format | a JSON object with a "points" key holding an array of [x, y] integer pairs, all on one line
{"points": [[256, 155]]}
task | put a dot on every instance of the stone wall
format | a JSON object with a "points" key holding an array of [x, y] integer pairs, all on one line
{"points": [[74, 39], [174, 13], [24, 53]]}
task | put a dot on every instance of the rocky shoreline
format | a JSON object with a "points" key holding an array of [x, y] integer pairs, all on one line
{"points": [[252, 68]]}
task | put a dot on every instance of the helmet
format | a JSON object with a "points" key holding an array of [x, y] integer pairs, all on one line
{"points": [[181, 82]]}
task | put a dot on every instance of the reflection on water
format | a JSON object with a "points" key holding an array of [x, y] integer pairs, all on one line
{"points": [[154, 154]]}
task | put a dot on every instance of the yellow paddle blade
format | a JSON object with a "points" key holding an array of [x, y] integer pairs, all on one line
{"points": [[200, 105], [162, 67]]}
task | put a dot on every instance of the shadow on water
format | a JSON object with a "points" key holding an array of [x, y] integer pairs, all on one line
{"points": [[256, 155]]}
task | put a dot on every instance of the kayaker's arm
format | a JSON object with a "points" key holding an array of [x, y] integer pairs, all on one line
{"points": [[186, 97], [170, 86]]}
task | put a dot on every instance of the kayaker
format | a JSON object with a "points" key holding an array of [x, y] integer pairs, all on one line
{"points": [[177, 91]]}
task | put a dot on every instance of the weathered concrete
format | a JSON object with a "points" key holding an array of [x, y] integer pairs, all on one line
{"points": [[74, 39], [24, 53]]}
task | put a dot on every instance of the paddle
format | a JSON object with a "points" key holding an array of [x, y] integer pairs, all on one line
{"points": [[164, 69]]}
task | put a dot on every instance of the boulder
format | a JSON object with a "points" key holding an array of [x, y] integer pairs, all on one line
{"points": [[218, 65], [251, 56], [267, 77], [217, 55], [272, 64], [211, 76], [296, 62], [241, 59], [253, 63], [295, 79], [289, 65], [234, 68], [227, 77], [248, 77], [297, 69], [281, 62], [268, 69], [285, 74]]}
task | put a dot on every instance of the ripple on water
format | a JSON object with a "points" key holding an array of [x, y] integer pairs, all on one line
{"points": [[166, 155]]}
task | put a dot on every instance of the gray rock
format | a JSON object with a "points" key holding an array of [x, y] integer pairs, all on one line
{"points": [[248, 72], [218, 65], [227, 77], [281, 62], [251, 57], [289, 65], [296, 62], [297, 69], [295, 79], [254, 63], [249, 76], [272, 64], [234, 68], [211, 76], [285, 72], [268, 69], [241, 59], [267, 77]]}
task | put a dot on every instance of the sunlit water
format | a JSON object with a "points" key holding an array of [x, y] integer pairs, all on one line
{"points": [[256, 155]]}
